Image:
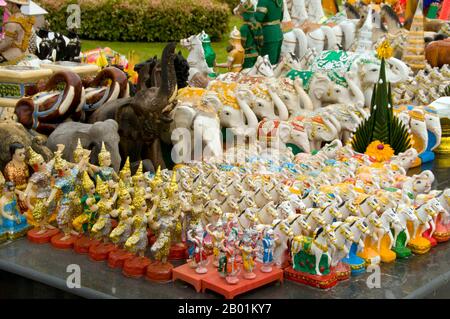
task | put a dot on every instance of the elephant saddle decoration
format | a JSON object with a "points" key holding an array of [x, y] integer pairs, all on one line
{"points": [[52, 106], [66, 96], [109, 84]]}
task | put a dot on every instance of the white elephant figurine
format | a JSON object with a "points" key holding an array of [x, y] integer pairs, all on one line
{"points": [[265, 102], [235, 114], [294, 97], [406, 159], [365, 65], [201, 126], [323, 90], [320, 128], [279, 134]]}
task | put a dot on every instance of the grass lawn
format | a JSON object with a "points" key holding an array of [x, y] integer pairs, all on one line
{"points": [[144, 50]]}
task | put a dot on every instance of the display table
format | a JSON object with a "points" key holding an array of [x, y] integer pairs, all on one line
{"points": [[82, 69], [415, 277], [14, 81]]}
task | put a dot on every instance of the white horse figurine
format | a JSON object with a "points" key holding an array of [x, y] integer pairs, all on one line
{"points": [[323, 239], [267, 214], [196, 58], [314, 218], [283, 232], [219, 192], [344, 238], [246, 218], [405, 214], [388, 219], [213, 212], [299, 226]]}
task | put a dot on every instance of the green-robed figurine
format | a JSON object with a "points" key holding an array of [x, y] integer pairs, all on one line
{"points": [[270, 13], [251, 34]]}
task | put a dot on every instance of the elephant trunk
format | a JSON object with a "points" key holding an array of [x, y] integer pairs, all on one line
{"points": [[358, 98], [304, 98]]}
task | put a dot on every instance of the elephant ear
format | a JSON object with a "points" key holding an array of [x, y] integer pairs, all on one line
{"points": [[319, 86], [284, 130], [213, 100], [183, 116]]}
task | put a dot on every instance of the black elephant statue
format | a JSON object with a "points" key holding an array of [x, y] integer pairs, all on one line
{"points": [[143, 117]]}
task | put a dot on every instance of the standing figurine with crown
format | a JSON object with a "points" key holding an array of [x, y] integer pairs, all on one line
{"points": [[84, 222], [105, 171], [236, 53], [123, 231], [162, 223], [36, 194], [63, 192], [138, 241], [102, 227]]}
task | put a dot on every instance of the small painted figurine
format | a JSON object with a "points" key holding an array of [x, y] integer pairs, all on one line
{"points": [[137, 243], [14, 223], [17, 171], [78, 154], [102, 228], [125, 174], [268, 243], [65, 189], [163, 227], [85, 221], [105, 171], [139, 184], [228, 266], [199, 259], [37, 192], [248, 255], [122, 232], [236, 54], [218, 234]]}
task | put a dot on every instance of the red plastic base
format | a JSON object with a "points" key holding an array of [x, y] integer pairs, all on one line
{"points": [[218, 284], [441, 239], [135, 267], [101, 251], [178, 252], [322, 282], [83, 244], [342, 271], [159, 272], [432, 240], [63, 244], [188, 274], [41, 238], [117, 257]]}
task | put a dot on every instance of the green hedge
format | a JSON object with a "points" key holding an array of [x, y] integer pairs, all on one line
{"points": [[231, 3], [141, 20]]}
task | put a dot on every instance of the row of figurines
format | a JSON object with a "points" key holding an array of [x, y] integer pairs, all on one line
{"points": [[264, 201], [425, 87]]}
